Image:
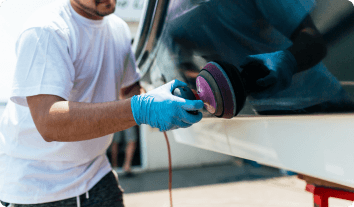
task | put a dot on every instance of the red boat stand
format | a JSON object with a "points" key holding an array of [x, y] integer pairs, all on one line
{"points": [[321, 195]]}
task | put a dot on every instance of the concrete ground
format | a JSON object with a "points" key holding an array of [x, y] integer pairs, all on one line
{"points": [[220, 185]]}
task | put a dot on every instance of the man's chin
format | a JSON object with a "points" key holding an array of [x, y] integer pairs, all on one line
{"points": [[105, 8], [105, 12]]}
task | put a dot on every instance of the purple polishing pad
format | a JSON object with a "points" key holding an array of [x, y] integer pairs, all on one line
{"points": [[225, 86], [206, 94], [215, 89]]}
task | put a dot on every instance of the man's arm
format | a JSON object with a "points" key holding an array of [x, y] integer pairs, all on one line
{"points": [[308, 48], [59, 120]]}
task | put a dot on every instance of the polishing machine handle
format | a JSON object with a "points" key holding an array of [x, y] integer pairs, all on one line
{"points": [[186, 93]]}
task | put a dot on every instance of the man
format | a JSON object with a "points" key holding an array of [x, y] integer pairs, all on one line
{"points": [[74, 60]]}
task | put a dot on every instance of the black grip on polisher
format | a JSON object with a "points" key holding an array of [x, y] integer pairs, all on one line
{"points": [[251, 73], [186, 93]]}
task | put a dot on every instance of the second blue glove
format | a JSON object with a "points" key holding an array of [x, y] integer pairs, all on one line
{"points": [[281, 65]]}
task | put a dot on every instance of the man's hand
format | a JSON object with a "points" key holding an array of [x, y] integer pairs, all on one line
{"points": [[159, 108]]}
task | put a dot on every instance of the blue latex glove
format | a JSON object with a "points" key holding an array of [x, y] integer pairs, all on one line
{"points": [[281, 65], [159, 108]]}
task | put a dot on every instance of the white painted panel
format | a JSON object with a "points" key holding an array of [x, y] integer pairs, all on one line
{"points": [[211, 136], [154, 152], [320, 145]]}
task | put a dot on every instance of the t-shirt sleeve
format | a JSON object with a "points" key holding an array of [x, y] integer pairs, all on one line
{"points": [[43, 65], [285, 15]]}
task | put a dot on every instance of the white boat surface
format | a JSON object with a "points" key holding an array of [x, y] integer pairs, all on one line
{"points": [[317, 145]]}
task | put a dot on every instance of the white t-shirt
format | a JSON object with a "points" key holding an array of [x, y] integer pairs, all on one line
{"points": [[64, 54]]}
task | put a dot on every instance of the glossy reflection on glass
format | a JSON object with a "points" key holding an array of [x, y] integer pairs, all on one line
{"points": [[197, 32]]}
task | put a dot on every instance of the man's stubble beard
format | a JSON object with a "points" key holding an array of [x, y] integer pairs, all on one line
{"points": [[94, 11]]}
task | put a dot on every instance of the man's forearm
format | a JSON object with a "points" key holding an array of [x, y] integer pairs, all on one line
{"points": [[68, 121]]}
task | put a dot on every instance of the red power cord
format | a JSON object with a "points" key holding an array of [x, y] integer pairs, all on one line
{"points": [[169, 156], [169, 168]]}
